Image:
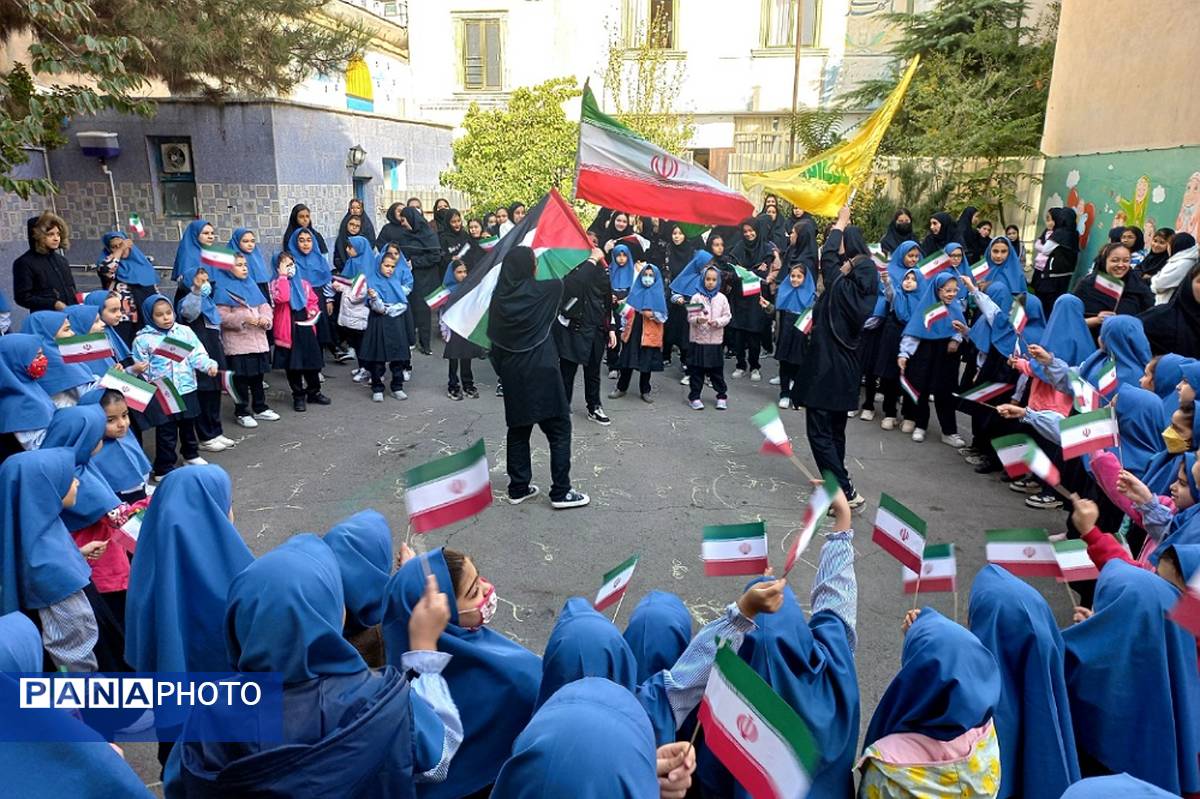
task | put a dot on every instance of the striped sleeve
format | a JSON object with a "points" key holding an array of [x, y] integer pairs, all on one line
{"points": [[69, 632], [835, 587], [434, 700], [685, 680]]}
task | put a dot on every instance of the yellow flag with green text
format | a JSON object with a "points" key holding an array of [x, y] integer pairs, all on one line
{"points": [[822, 184]]}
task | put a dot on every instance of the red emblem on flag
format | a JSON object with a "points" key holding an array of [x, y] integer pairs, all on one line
{"points": [[747, 728], [458, 485], [1087, 432], [744, 548], [928, 568], [1029, 552], [903, 533], [664, 166]]}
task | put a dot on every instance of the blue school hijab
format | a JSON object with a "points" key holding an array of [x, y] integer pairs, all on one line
{"points": [[907, 303], [362, 545], [120, 461], [96, 299], [188, 554], [39, 563], [690, 279], [1010, 273], [208, 305], [448, 280], [582, 644], [999, 334], [257, 264], [1189, 371], [948, 683], [23, 406], [1188, 556], [297, 297], [1148, 727], [895, 266], [187, 254], [1033, 718], [60, 375], [135, 269], [81, 319], [80, 429], [1185, 525], [20, 644], [390, 289], [225, 285], [363, 259], [1066, 334], [1117, 786], [148, 314], [496, 678], [793, 299], [942, 328], [1125, 341], [312, 267], [648, 298], [658, 632], [1140, 420], [590, 741], [715, 290], [4, 306], [1167, 374], [621, 277]]}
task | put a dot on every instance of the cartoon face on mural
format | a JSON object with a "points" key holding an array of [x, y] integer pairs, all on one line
{"points": [[1189, 208]]}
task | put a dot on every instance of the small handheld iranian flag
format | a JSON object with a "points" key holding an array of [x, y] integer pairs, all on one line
{"points": [[1074, 563], [448, 489], [487, 242], [90, 347], [1088, 432], [775, 438], [1110, 286], [133, 526], [751, 284], [695, 310], [1011, 450], [939, 571], [625, 313], [1086, 399], [136, 226], [1017, 317], [818, 505], [217, 257], [900, 531], [614, 583], [1186, 611], [173, 349], [804, 322], [1106, 381], [935, 263], [1039, 465], [437, 298], [754, 733], [986, 392], [734, 549], [1025, 553], [229, 387], [137, 393], [169, 398], [980, 270], [909, 389], [935, 312]]}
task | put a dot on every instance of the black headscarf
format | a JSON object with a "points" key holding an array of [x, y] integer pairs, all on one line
{"points": [[1175, 326], [948, 233], [441, 220], [973, 243], [896, 234], [589, 286], [752, 253], [804, 251], [391, 231], [452, 242], [610, 231], [1155, 261], [600, 223], [418, 241], [343, 237], [1135, 298], [854, 243], [851, 300], [522, 307], [1066, 232], [778, 227], [678, 255], [292, 224]]}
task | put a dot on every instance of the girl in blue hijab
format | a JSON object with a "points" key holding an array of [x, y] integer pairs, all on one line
{"points": [[362, 545], [1163, 374], [25, 409], [1033, 718], [187, 255], [386, 341], [347, 730], [641, 339], [228, 289], [1123, 340], [1117, 786], [928, 357], [120, 461], [108, 307], [691, 279], [496, 678], [1066, 336], [311, 264], [81, 429], [659, 629], [1141, 420], [1132, 679], [363, 260], [621, 272], [63, 381], [132, 267], [83, 320], [244, 241], [796, 294], [1005, 266]]}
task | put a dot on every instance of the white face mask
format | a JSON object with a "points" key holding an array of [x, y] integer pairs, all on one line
{"points": [[289, 271], [647, 280], [487, 608]]}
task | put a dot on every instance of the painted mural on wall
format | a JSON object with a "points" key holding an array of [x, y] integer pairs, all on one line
{"points": [[1148, 189]]}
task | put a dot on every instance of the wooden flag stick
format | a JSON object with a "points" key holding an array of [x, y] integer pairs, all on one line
{"points": [[1065, 494], [956, 604], [1070, 597], [692, 741], [620, 602], [917, 589], [803, 469]]}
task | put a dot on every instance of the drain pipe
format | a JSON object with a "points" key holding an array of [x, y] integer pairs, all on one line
{"points": [[112, 185]]}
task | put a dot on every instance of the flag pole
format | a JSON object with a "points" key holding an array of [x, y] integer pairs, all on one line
{"points": [[800, 465], [955, 604], [917, 590], [692, 741], [1070, 596], [620, 602]]}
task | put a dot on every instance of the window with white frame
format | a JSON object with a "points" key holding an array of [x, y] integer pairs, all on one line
{"points": [[657, 20], [482, 51], [779, 22]]}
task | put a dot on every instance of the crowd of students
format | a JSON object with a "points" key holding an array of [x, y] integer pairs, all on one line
{"points": [[394, 683]]}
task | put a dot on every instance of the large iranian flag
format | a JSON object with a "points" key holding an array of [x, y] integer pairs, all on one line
{"points": [[617, 168], [551, 229], [754, 733]]}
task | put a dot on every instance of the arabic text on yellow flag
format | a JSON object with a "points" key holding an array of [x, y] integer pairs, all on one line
{"points": [[821, 185]]}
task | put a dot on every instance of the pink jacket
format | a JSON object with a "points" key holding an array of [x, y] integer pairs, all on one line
{"points": [[711, 329], [238, 336], [1042, 395], [283, 309]]}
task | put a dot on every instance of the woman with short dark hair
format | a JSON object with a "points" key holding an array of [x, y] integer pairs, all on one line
{"points": [[41, 276]]}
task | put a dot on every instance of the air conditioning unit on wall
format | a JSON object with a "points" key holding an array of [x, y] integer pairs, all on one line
{"points": [[176, 157]]}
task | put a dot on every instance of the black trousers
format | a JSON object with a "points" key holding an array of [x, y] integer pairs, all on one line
{"points": [[377, 369], [944, 406], [171, 433], [250, 389], [520, 468], [297, 378], [626, 378], [591, 381], [827, 440], [890, 386], [208, 423], [788, 372], [424, 282], [696, 378], [461, 366], [747, 343]]}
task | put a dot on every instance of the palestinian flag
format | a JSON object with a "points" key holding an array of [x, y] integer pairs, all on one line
{"points": [[169, 398], [939, 571], [1074, 563], [804, 322], [900, 531], [173, 349], [1086, 399], [133, 526], [1088, 432], [935, 263], [734, 549], [216, 257], [437, 298], [754, 733], [551, 229], [228, 386], [980, 270], [776, 440], [818, 505], [89, 347], [751, 284], [1186, 611], [1039, 465], [448, 489], [614, 583], [1011, 450], [1108, 285], [1106, 381], [909, 389], [1017, 317], [136, 226], [695, 310], [935, 312], [986, 392], [617, 168], [1025, 553], [137, 393]]}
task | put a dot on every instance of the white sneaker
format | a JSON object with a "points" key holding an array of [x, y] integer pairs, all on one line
{"points": [[737, 373], [685, 381], [755, 376], [322, 376], [212, 445], [407, 375], [613, 374], [867, 416], [784, 402], [907, 426], [377, 396], [954, 440], [400, 395], [266, 386], [722, 404], [888, 423], [267, 416], [696, 405], [918, 435], [852, 414], [246, 421], [774, 380], [196, 461], [226, 440], [360, 376]]}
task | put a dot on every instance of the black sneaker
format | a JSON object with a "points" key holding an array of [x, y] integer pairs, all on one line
{"points": [[341, 356], [499, 390], [987, 467], [1045, 500], [319, 399], [426, 351], [598, 416], [299, 405], [454, 393], [572, 499], [471, 392], [530, 492]]}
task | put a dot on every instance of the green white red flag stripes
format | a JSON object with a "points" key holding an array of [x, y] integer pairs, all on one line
{"points": [[935, 263], [1106, 381], [935, 312], [1040, 466], [1011, 450], [625, 313], [169, 398], [1086, 398], [1017, 317], [552, 230], [1088, 432], [818, 505], [695, 310], [1110, 286], [137, 393], [734, 549], [216, 257], [135, 225], [804, 322], [751, 284], [775, 438], [448, 489], [1025, 552], [173, 349], [1186, 611], [618, 168], [986, 392], [88, 347], [229, 387], [614, 583], [980, 270], [133, 525], [899, 531], [909, 389], [939, 571], [1074, 563], [754, 733], [437, 298]]}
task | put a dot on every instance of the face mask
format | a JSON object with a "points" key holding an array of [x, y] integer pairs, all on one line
{"points": [[1176, 444], [647, 280], [37, 367], [206, 290], [289, 271], [487, 608], [904, 228]]}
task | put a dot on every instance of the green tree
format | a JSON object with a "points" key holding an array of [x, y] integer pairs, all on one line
{"points": [[643, 83], [518, 152]]}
